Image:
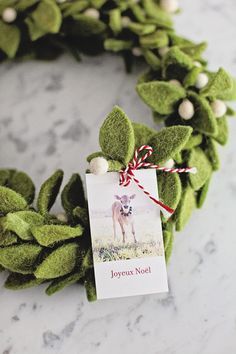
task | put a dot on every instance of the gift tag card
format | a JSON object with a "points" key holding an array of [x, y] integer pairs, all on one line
{"points": [[126, 232]]}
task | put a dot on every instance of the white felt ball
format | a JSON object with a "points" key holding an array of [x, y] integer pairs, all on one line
{"points": [[202, 81], [9, 14], [175, 82], [62, 217], [170, 6], [162, 51], [61, 1], [98, 166], [125, 20], [186, 109], [137, 52], [219, 108], [94, 13], [197, 64], [169, 163]]}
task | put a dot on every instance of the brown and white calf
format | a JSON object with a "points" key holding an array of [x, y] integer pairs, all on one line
{"points": [[122, 213]]}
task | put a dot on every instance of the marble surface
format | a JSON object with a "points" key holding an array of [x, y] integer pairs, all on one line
{"points": [[49, 117]]}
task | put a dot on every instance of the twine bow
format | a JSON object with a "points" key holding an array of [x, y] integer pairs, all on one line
{"points": [[127, 174]]}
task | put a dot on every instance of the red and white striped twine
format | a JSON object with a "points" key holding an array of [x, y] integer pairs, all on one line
{"points": [[127, 174]]}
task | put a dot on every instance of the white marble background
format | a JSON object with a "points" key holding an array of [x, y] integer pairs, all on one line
{"points": [[49, 117]]}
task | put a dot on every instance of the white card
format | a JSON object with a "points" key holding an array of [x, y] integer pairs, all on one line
{"points": [[126, 232]]}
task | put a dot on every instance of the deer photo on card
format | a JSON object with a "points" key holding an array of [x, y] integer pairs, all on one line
{"points": [[125, 224]]}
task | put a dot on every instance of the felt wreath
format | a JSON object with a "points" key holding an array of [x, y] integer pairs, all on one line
{"points": [[184, 95]]}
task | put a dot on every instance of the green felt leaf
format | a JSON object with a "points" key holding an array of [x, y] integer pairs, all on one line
{"points": [[141, 29], [219, 82], [160, 96], [152, 59], [17, 281], [204, 120], [86, 26], [176, 64], [158, 16], [4, 176], [20, 258], [59, 262], [185, 208], [116, 136], [49, 191], [117, 45], [194, 140], [49, 235], [212, 154], [7, 238], [168, 238], [47, 16], [169, 188], [202, 194], [168, 142], [21, 183], [73, 194], [61, 283], [194, 50], [158, 39], [138, 12], [223, 131], [115, 20], [11, 201], [142, 134], [21, 223], [35, 32], [198, 159], [9, 39]]}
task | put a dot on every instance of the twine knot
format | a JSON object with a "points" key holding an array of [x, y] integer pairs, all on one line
{"points": [[128, 174]]}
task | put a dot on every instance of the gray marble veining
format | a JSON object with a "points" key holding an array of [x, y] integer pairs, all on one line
{"points": [[49, 118]]}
